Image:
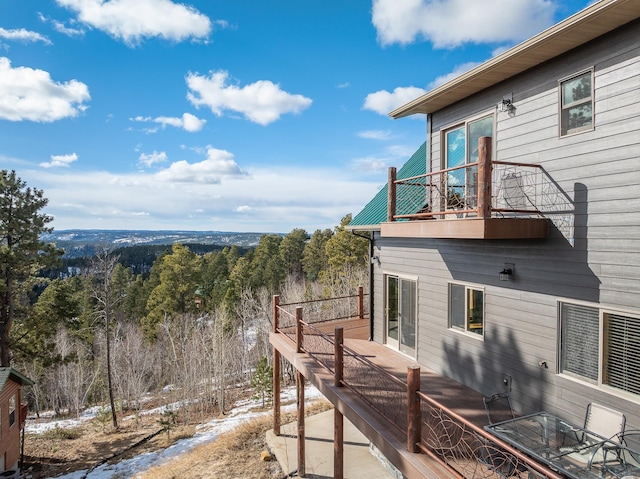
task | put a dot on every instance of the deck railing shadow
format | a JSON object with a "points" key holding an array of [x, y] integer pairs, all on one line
{"points": [[427, 426]]}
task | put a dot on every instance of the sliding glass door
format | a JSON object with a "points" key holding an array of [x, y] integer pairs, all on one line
{"points": [[401, 313]]}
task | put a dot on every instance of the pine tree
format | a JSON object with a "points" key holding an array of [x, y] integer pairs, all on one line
{"points": [[22, 253]]}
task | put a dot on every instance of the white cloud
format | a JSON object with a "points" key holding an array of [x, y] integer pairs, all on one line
{"points": [[28, 94], [343, 85], [188, 122], [61, 27], [262, 102], [253, 202], [383, 102], [60, 161], [134, 20], [451, 23], [150, 159], [375, 134], [392, 155], [23, 35], [368, 165], [219, 163]]}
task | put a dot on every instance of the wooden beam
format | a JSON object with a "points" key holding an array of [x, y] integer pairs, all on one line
{"points": [[338, 444], [276, 392], [414, 417], [391, 195], [301, 437], [484, 177]]}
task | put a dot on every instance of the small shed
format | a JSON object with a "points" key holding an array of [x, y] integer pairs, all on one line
{"points": [[12, 418]]}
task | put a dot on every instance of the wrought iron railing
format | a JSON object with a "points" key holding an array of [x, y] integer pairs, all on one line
{"points": [[465, 449]]}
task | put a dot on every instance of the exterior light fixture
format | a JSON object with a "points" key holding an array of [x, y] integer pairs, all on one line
{"points": [[507, 272], [506, 105]]}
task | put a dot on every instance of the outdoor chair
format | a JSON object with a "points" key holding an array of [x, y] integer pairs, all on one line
{"points": [[605, 422], [498, 407]]}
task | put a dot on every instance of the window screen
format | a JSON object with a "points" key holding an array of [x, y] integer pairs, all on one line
{"points": [[579, 340]]}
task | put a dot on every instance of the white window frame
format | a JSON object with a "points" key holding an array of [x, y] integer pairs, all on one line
{"points": [[467, 330], [599, 382], [564, 131], [397, 344]]}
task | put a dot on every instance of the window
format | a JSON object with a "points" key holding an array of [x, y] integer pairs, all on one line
{"points": [[576, 103], [12, 410], [600, 346], [461, 148], [466, 308]]}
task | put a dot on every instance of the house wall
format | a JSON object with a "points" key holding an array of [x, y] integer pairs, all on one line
{"points": [[10, 435], [599, 170]]}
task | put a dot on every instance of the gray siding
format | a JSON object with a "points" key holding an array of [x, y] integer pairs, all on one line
{"points": [[600, 171]]}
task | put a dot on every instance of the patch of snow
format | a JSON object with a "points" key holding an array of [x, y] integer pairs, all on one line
{"points": [[205, 433]]}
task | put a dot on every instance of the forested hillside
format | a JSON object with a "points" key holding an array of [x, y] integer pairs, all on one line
{"points": [[194, 323]]}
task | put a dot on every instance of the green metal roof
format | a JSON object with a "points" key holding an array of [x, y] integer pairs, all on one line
{"points": [[375, 212], [10, 373]]}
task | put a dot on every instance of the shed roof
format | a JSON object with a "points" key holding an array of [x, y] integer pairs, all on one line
{"points": [[10, 373], [375, 212], [594, 21]]}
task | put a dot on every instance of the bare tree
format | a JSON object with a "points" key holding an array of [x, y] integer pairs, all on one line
{"points": [[107, 297]]}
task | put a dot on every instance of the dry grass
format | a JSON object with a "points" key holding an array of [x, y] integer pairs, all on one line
{"points": [[232, 455]]}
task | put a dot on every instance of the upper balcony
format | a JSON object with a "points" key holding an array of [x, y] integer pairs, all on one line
{"points": [[481, 200]]}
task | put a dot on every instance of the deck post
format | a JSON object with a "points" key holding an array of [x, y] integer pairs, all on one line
{"points": [[276, 370], [338, 353], [391, 194], [360, 302], [414, 418], [338, 444], [301, 438], [299, 329], [484, 177]]}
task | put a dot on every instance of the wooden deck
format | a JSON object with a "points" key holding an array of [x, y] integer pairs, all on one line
{"points": [[382, 434]]}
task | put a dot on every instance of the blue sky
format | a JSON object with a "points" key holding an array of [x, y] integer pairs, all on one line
{"points": [[257, 116]]}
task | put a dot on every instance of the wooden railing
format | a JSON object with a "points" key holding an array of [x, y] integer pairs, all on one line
{"points": [[429, 427]]}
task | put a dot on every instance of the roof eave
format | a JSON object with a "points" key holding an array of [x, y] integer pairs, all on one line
{"points": [[592, 22]]}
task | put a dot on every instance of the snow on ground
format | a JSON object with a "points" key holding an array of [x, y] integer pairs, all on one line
{"points": [[204, 433]]}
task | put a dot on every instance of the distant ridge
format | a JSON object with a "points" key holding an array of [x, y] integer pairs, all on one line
{"points": [[84, 242]]}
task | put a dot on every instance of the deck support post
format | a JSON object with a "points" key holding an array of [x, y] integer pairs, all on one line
{"points": [[338, 419], [276, 371], [360, 302], [391, 195], [414, 418], [484, 177], [301, 437], [338, 444]]}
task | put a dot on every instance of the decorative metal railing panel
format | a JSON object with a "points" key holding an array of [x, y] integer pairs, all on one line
{"points": [[467, 450], [377, 387], [320, 346]]}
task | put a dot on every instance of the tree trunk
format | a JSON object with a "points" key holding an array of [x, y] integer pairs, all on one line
{"points": [[114, 417]]}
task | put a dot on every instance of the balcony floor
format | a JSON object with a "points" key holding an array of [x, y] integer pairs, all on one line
{"points": [[451, 394]]}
